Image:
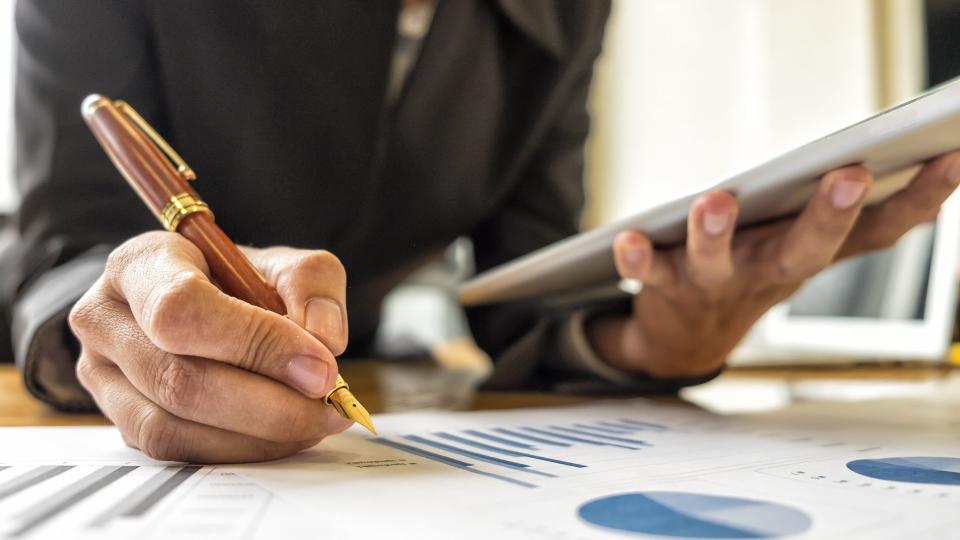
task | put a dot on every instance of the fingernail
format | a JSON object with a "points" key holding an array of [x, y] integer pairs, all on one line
{"points": [[635, 256], [716, 223], [846, 193], [323, 318], [308, 374]]}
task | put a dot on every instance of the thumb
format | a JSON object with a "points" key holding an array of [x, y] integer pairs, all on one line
{"points": [[312, 284]]}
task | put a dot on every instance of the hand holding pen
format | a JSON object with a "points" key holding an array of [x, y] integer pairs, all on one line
{"points": [[186, 371]]}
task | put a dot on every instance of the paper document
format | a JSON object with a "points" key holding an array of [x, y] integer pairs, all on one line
{"points": [[610, 470], [631, 469], [83, 482]]}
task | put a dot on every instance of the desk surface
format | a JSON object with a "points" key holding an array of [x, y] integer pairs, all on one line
{"points": [[737, 390]]}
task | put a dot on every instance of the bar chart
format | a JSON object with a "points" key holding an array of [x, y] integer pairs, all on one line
{"points": [[125, 500], [618, 470], [524, 456]]}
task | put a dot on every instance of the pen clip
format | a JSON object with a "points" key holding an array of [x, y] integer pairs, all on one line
{"points": [[182, 168]]}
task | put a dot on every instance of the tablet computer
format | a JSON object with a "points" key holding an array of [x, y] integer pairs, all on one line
{"points": [[889, 144]]}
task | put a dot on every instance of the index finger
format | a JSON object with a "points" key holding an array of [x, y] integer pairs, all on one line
{"points": [[182, 312]]}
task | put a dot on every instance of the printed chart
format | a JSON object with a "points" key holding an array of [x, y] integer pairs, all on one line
{"points": [[136, 503], [603, 471], [523, 453], [623, 469], [126, 500]]}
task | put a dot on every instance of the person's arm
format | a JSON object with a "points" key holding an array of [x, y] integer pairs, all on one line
{"points": [[533, 345], [74, 207], [164, 354]]}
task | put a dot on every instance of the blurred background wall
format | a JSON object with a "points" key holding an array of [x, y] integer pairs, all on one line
{"points": [[688, 91]]}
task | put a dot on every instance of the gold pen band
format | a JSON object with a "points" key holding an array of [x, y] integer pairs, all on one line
{"points": [[340, 384], [341, 399], [179, 207]]}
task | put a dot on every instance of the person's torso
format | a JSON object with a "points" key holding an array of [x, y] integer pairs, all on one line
{"points": [[281, 109]]}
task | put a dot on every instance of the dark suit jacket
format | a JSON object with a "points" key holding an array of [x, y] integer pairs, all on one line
{"points": [[280, 108]]}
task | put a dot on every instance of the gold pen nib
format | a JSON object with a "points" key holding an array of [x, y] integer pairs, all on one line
{"points": [[347, 405]]}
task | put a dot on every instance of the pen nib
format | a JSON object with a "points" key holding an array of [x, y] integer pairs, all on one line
{"points": [[348, 406], [353, 410]]}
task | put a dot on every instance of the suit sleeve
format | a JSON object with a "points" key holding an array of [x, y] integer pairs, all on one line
{"points": [[535, 345], [74, 205]]}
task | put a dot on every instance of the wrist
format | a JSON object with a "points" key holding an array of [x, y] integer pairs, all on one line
{"points": [[609, 337], [620, 342]]}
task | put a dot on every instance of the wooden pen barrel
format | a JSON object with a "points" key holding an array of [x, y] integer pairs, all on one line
{"points": [[154, 178]]}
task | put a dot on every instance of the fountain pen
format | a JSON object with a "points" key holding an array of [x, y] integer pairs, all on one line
{"points": [[160, 176]]}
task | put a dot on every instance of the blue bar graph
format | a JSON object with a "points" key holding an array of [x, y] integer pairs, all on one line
{"points": [[501, 440], [564, 436], [511, 449], [531, 437], [456, 463], [504, 451], [623, 427], [523, 467], [650, 425], [584, 440], [600, 436], [603, 429]]}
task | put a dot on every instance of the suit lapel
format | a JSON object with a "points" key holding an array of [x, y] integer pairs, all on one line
{"points": [[539, 20]]}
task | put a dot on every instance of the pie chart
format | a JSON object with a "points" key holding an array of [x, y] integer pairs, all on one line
{"points": [[693, 515], [918, 469]]}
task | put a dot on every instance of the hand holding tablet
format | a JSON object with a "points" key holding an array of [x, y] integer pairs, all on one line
{"points": [[886, 144], [706, 281]]}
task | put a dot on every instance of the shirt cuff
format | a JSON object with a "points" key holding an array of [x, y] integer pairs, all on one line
{"points": [[577, 356], [43, 346]]}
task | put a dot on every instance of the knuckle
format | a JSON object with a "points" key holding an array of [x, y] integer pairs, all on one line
{"points": [[159, 438], [82, 316], [320, 263], [708, 249], [180, 384], [709, 273], [86, 371], [710, 282], [321, 260], [85, 314], [260, 344], [171, 308], [121, 257]]}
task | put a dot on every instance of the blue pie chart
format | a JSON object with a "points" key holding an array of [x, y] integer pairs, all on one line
{"points": [[693, 515], [918, 469]]}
